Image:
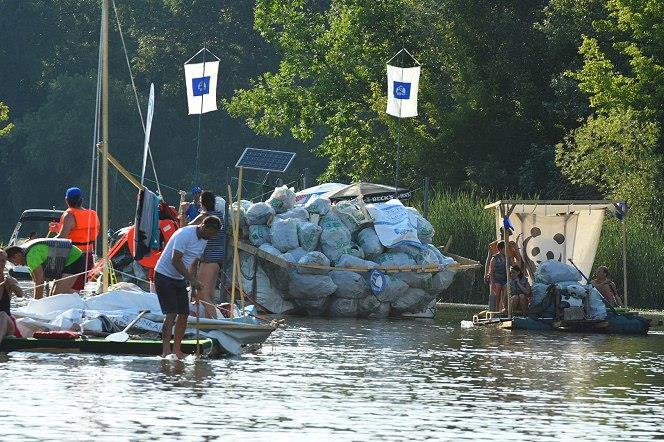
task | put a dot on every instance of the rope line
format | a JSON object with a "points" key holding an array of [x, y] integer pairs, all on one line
{"points": [[133, 85]]}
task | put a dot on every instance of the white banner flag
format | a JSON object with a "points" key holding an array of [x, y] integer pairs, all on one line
{"points": [[148, 128], [402, 86], [201, 81]]}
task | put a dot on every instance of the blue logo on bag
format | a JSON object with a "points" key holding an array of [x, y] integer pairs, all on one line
{"points": [[200, 86], [401, 90], [377, 282]]}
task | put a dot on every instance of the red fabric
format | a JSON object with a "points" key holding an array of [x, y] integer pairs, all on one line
{"points": [[56, 335], [17, 333]]}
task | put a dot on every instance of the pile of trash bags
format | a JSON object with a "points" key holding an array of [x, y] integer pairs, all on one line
{"points": [[567, 279], [346, 235]]}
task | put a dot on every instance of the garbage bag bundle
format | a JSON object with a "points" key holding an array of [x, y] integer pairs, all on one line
{"points": [[314, 307], [350, 285], [259, 235], [353, 262], [342, 307], [412, 301], [284, 234], [309, 235], [282, 199], [308, 286], [597, 308], [297, 213], [552, 272], [269, 248], [335, 237], [442, 259], [356, 251], [294, 255], [395, 288], [259, 214], [425, 230], [244, 206], [368, 306], [392, 259], [541, 305], [368, 240], [441, 281], [319, 206], [350, 214], [382, 312], [313, 258]]}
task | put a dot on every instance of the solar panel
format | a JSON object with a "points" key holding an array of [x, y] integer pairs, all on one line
{"points": [[265, 159]]}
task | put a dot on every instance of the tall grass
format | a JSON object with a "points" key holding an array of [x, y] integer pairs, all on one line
{"points": [[461, 216]]}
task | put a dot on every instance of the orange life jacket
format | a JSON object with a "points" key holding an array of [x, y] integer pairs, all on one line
{"points": [[86, 228]]}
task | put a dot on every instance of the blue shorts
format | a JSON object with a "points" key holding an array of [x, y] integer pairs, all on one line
{"points": [[172, 294]]}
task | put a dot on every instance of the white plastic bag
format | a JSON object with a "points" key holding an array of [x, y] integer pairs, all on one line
{"points": [[284, 234], [282, 199]]}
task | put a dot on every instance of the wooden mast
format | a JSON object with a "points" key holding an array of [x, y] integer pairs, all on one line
{"points": [[104, 157]]}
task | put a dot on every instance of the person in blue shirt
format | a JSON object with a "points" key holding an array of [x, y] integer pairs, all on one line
{"points": [[189, 211]]}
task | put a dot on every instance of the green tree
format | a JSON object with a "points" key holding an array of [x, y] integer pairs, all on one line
{"points": [[619, 150], [482, 92], [4, 116]]}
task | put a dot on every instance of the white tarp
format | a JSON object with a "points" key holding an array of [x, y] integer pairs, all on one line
{"points": [[305, 195], [393, 223], [402, 87], [550, 232], [70, 311], [201, 80]]}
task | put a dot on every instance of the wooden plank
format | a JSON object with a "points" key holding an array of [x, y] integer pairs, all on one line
{"points": [[552, 202]]}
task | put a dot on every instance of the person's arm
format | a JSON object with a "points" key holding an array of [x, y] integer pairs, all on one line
{"points": [[183, 270], [489, 276], [68, 223], [199, 219], [182, 214], [38, 278], [12, 287], [487, 265]]}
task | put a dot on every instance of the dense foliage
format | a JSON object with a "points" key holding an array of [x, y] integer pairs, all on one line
{"points": [[555, 98]]}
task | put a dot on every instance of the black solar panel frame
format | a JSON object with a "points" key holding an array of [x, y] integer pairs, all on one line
{"points": [[244, 162]]}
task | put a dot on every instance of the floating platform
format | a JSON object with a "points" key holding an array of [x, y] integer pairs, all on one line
{"points": [[145, 347], [628, 323]]}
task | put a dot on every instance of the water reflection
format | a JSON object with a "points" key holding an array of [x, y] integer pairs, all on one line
{"points": [[353, 380]]}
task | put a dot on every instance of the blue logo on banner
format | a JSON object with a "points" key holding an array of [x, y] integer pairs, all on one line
{"points": [[200, 86], [377, 281], [401, 90]]}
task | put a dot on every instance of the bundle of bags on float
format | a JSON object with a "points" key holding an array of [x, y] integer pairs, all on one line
{"points": [[567, 278], [334, 247]]}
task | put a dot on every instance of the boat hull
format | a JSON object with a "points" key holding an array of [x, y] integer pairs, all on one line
{"points": [[101, 346], [620, 324]]}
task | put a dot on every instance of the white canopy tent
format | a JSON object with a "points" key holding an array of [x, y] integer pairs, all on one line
{"points": [[554, 229]]}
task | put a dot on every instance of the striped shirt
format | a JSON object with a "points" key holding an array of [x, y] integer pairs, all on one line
{"points": [[216, 247]]}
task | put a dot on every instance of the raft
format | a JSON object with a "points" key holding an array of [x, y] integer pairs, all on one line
{"points": [[629, 323], [145, 347]]}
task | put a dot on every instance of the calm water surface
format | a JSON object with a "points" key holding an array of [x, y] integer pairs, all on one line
{"points": [[351, 380]]}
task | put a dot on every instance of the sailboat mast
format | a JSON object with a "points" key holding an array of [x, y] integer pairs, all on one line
{"points": [[104, 156]]}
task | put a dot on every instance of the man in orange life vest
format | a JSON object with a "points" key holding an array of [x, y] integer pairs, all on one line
{"points": [[81, 226]]}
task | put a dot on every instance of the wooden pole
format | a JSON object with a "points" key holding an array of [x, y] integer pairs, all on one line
{"points": [[198, 323], [506, 237], [230, 202], [105, 143], [624, 258]]}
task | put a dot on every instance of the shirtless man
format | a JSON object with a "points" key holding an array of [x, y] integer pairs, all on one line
{"points": [[606, 287]]}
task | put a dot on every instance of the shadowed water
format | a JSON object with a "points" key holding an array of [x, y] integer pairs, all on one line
{"points": [[351, 380]]}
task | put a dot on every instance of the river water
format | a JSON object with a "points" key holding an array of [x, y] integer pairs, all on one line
{"points": [[339, 379]]}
